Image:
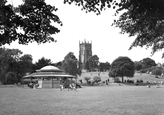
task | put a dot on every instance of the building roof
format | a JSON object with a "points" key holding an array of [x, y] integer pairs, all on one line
{"points": [[48, 71], [50, 68]]}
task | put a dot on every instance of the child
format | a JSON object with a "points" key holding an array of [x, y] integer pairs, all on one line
{"points": [[61, 87]]}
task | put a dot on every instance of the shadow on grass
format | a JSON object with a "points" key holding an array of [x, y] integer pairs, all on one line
{"points": [[11, 86], [139, 84]]}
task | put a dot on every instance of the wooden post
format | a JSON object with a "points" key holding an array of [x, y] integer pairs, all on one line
{"points": [[52, 83], [22, 83]]}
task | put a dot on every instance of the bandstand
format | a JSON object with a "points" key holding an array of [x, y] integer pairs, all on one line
{"points": [[49, 77]]}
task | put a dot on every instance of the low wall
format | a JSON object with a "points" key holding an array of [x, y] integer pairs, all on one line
{"points": [[50, 84]]}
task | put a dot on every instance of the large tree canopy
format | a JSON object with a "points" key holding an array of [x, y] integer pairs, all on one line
{"points": [[141, 18], [69, 64], [122, 66], [138, 65], [104, 66], [29, 22], [42, 62], [92, 63], [8, 57], [147, 63]]}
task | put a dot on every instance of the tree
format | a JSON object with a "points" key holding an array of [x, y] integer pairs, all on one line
{"points": [[42, 62], [141, 18], [122, 66], [97, 79], [58, 64], [138, 65], [156, 71], [92, 62], [147, 63], [69, 64], [25, 65], [33, 17], [104, 66], [8, 57]]}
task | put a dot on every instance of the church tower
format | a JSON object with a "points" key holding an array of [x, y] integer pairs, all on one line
{"points": [[85, 51]]}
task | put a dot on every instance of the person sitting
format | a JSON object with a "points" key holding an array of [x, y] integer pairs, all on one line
{"points": [[31, 85], [69, 87], [148, 86], [61, 87], [73, 86], [78, 85]]}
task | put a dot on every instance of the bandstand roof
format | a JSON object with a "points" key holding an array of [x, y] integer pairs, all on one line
{"points": [[49, 71], [49, 68]]}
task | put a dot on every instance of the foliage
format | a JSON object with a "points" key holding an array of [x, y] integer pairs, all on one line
{"points": [[143, 19], [11, 78], [144, 70], [87, 79], [116, 80], [147, 63], [69, 64], [122, 66], [104, 66], [92, 62], [157, 71], [58, 64], [34, 18], [41, 63], [8, 60], [138, 65], [91, 5], [25, 65], [97, 79]]}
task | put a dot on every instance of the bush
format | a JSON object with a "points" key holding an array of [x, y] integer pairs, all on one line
{"points": [[96, 79], [143, 70], [139, 81], [157, 71], [130, 81], [116, 80], [87, 79], [11, 78]]}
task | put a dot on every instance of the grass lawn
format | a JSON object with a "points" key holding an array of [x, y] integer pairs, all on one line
{"points": [[89, 100], [93, 100]]}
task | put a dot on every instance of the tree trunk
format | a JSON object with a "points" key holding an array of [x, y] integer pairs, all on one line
{"points": [[122, 79]]}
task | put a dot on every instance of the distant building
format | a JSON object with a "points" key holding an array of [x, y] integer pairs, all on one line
{"points": [[85, 51]]}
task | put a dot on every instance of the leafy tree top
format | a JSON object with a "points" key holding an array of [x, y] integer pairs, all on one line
{"points": [[34, 18], [92, 62], [69, 64], [143, 19], [94, 58], [70, 55], [42, 62], [147, 63], [27, 57], [122, 66]]}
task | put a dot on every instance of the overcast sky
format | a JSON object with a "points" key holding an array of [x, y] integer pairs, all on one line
{"points": [[107, 43]]}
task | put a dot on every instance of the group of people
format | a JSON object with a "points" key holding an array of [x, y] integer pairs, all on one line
{"points": [[157, 84], [71, 86], [33, 85]]}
